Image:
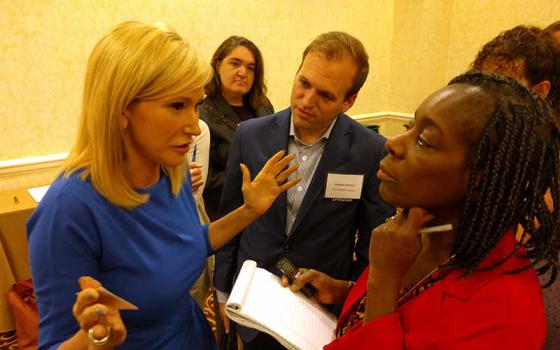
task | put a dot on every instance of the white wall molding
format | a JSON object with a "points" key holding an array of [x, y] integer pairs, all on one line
{"points": [[20, 166], [385, 114], [388, 121]]}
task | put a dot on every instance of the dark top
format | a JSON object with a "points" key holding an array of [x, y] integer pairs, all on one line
{"points": [[222, 121], [244, 112]]}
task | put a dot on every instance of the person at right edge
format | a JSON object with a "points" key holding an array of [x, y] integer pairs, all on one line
{"points": [[554, 30], [315, 225], [531, 56]]}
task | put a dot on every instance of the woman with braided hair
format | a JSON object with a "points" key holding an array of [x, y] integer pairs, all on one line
{"points": [[480, 155]]}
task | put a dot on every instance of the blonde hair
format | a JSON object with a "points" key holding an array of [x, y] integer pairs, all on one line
{"points": [[135, 61]]}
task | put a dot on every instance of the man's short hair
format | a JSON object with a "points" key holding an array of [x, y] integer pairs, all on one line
{"points": [[537, 51], [334, 45]]}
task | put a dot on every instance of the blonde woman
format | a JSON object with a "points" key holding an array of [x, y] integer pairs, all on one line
{"points": [[122, 212]]}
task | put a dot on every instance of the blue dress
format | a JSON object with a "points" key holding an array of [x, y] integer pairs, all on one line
{"points": [[150, 256]]}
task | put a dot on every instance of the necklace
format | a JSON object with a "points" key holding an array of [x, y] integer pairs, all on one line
{"points": [[425, 278]]}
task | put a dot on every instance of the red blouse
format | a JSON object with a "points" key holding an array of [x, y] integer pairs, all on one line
{"points": [[486, 310]]}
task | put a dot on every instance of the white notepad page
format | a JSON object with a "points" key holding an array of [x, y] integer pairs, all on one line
{"points": [[301, 321]]}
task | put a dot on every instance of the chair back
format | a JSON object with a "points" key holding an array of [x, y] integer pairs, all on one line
{"points": [[24, 307]]}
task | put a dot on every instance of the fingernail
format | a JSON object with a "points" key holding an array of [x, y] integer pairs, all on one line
{"points": [[89, 296], [99, 311]]}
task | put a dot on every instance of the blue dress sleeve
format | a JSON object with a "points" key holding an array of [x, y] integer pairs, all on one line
{"points": [[209, 250], [63, 245]]}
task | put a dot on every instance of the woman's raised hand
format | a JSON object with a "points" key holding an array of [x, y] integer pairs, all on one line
{"points": [[270, 182], [101, 322]]}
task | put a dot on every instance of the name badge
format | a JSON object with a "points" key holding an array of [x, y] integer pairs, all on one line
{"points": [[343, 186]]}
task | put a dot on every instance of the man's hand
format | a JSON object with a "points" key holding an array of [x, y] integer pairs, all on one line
{"points": [[329, 290]]}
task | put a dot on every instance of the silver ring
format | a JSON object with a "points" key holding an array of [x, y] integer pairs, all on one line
{"points": [[390, 218], [102, 341]]}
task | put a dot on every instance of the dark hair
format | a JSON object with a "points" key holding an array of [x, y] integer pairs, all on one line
{"points": [[512, 165], [256, 97], [334, 45], [553, 27], [537, 50]]}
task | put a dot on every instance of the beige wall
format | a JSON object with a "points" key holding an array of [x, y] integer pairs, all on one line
{"points": [[415, 47], [435, 40], [419, 51], [45, 45], [475, 22]]}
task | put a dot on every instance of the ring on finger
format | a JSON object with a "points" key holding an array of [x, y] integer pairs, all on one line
{"points": [[99, 342], [391, 218]]}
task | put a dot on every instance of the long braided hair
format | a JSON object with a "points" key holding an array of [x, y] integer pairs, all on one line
{"points": [[513, 164]]}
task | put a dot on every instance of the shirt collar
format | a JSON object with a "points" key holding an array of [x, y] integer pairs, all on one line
{"points": [[325, 135]]}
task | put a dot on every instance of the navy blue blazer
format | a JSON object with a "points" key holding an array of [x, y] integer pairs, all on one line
{"points": [[323, 236]]}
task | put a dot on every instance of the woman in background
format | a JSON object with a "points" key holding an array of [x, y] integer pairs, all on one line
{"points": [[480, 155], [123, 211], [236, 93]]}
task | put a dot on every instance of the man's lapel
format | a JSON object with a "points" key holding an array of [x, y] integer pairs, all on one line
{"points": [[277, 139]]}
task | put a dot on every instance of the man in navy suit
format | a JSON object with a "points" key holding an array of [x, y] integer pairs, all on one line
{"points": [[325, 221]]}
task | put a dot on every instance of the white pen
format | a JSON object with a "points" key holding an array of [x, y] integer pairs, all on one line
{"points": [[438, 228]]}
